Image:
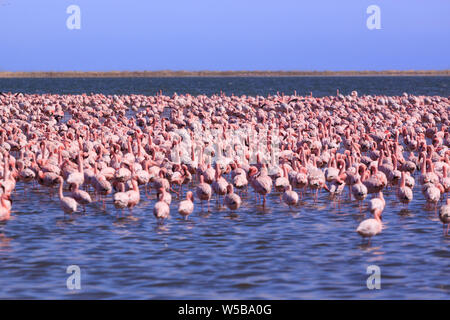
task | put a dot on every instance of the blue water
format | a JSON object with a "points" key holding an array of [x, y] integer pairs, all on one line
{"points": [[319, 86], [309, 252]]}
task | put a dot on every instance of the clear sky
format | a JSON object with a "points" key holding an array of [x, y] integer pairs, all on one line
{"points": [[224, 35]]}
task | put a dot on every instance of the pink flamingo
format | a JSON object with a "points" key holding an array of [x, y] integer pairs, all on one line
{"points": [[377, 204], [359, 190], [121, 198], [77, 177], [186, 207], [219, 185], [290, 197], [404, 194], [370, 227], [444, 215], [377, 180], [161, 209], [203, 191], [232, 200], [282, 183], [261, 184], [5, 206], [82, 197], [68, 204], [133, 195]]}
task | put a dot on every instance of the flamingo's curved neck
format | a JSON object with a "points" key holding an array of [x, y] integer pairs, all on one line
{"points": [[61, 189]]}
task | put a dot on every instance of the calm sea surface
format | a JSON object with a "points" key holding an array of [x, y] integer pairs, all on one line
{"points": [[319, 86], [309, 252]]}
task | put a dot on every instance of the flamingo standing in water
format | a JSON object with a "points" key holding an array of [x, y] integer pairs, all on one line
{"points": [[161, 181], [219, 185], [203, 191], [359, 191], [377, 180], [290, 197], [82, 197], [68, 204], [101, 185], [5, 206], [186, 207], [177, 178], [282, 183], [121, 198], [431, 192], [261, 184], [444, 215], [316, 178], [404, 194], [133, 195], [232, 200], [377, 204], [166, 196], [240, 181], [370, 227], [77, 177], [161, 209]]}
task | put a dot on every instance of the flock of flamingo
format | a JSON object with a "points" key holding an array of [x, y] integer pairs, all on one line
{"points": [[94, 146]]}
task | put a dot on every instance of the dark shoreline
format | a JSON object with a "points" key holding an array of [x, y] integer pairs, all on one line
{"points": [[174, 74]]}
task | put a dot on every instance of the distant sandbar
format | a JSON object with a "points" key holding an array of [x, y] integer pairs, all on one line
{"points": [[169, 74]]}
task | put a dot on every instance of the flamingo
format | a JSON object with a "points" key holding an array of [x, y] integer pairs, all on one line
{"points": [[432, 193], [444, 215], [370, 227], [161, 181], [5, 206], [290, 197], [282, 183], [102, 186], [377, 204], [240, 181], [377, 180], [316, 178], [133, 195], [80, 196], [77, 177], [166, 196], [186, 207], [261, 184], [123, 174], [203, 191], [232, 200], [121, 198], [219, 185], [68, 204], [359, 191], [178, 178], [404, 194], [161, 209]]}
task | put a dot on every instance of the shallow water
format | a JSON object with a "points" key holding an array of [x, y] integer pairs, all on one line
{"points": [[308, 252], [319, 86]]}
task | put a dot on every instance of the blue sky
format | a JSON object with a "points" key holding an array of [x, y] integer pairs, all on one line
{"points": [[224, 35]]}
